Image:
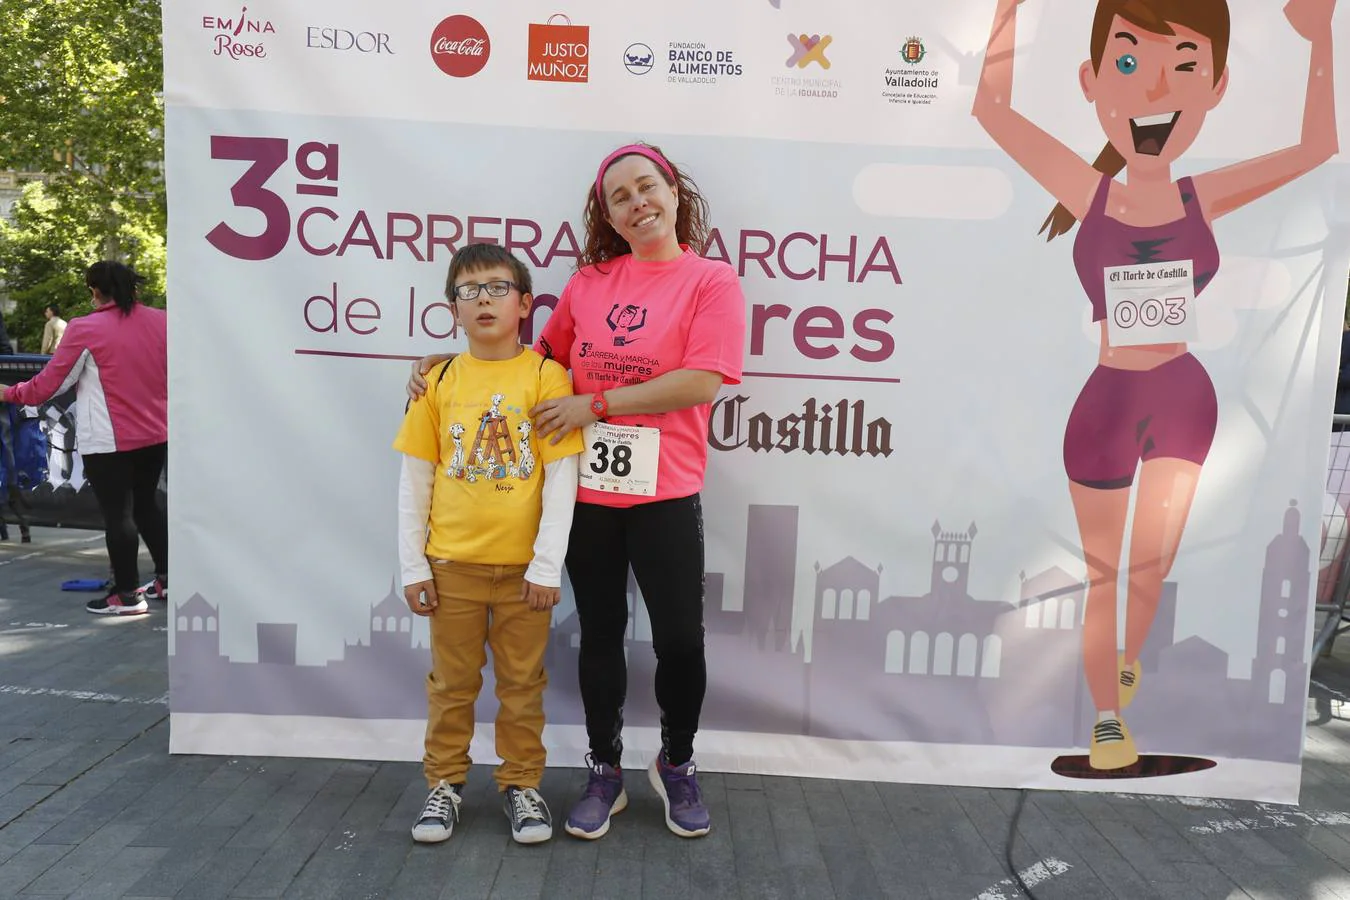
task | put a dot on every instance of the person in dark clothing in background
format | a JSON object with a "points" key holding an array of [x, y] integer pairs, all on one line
{"points": [[9, 488]]}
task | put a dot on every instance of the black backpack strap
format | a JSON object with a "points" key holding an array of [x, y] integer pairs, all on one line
{"points": [[445, 367]]}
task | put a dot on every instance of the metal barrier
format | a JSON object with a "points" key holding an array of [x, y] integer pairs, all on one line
{"points": [[1333, 580], [64, 499]]}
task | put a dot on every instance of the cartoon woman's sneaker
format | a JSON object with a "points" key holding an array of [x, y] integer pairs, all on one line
{"points": [[1129, 682], [1112, 747]]}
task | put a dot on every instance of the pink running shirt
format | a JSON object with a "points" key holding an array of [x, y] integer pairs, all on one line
{"points": [[627, 321]]}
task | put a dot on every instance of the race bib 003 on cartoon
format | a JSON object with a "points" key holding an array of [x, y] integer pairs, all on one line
{"points": [[1151, 303]]}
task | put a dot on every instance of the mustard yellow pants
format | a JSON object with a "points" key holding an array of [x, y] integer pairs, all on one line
{"points": [[480, 606]]}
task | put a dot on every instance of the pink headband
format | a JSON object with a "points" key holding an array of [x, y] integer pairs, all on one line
{"points": [[628, 150]]}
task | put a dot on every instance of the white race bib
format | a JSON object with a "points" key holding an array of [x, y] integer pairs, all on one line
{"points": [[1151, 303], [621, 459]]}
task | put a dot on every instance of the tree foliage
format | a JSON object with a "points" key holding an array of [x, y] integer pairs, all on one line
{"points": [[80, 103]]}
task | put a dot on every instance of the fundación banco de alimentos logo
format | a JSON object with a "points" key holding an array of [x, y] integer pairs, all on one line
{"points": [[639, 59]]}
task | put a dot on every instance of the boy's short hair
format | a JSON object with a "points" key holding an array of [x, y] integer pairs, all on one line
{"points": [[485, 256]]}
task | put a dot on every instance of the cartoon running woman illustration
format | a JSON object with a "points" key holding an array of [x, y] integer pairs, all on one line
{"points": [[625, 323], [1157, 68]]}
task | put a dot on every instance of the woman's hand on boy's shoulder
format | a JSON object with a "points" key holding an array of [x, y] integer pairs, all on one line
{"points": [[538, 597], [417, 382]]}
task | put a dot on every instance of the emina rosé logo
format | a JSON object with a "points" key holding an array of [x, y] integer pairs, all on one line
{"points": [[460, 46], [239, 37]]}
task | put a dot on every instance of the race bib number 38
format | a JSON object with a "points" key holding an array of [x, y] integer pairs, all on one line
{"points": [[621, 459], [1151, 303]]}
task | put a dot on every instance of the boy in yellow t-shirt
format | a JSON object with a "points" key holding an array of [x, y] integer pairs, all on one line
{"points": [[484, 512]]}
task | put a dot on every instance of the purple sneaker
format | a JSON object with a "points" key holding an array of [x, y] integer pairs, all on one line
{"points": [[604, 796], [678, 788]]}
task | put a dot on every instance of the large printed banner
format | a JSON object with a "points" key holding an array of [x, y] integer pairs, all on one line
{"points": [[923, 500]]}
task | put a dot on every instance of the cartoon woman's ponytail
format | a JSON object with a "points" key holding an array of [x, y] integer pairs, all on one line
{"points": [[1060, 221]]}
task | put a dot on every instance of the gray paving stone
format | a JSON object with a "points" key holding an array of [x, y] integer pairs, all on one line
{"points": [[795, 838], [285, 805], [185, 776], [890, 861], [929, 820], [84, 757], [280, 863], [16, 751], [380, 795], [520, 878], [117, 876], [183, 863], [183, 817], [378, 865], [572, 868], [712, 865], [17, 801], [617, 877], [426, 869], [217, 878], [90, 816], [17, 835], [26, 866], [91, 855], [255, 790]]}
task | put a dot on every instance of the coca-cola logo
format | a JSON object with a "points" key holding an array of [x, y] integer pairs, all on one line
{"points": [[460, 46]]}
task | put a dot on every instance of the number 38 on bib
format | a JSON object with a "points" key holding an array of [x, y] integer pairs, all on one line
{"points": [[621, 459], [1151, 303]]}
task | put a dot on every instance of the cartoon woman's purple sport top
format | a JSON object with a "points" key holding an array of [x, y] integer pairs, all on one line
{"points": [[1123, 416], [1103, 242]]}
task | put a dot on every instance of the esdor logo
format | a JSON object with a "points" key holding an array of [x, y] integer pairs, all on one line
{"points": [[460, 46]]}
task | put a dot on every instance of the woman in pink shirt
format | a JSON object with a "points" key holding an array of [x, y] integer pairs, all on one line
{"points": [[650, 331], [116, 357]]}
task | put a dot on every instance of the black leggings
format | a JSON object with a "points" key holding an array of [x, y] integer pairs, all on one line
{"points": [[125, 484], [663, 542]]}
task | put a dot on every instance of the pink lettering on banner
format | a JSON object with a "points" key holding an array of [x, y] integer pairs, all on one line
{"points": [[811, 256], [249, 192], [315, 161], [228, 46], [239, 37], [816, 333]]}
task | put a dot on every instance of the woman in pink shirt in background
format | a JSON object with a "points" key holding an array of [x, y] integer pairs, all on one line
{"points": [[116, 357], [650, 331]]}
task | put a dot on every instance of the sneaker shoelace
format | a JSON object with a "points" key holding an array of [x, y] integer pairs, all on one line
{"points": [[1127, 678], [682, 786], [526, 804], [598, 784], [440, 804], [1110, 730]]}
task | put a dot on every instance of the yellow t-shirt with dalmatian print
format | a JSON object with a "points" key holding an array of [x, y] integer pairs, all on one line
{"points": [[473, 424]]}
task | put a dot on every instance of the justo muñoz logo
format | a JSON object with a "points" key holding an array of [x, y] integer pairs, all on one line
{"points": [[460, 46], [239, 37]]}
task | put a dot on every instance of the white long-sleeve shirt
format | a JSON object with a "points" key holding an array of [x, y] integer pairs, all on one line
{"points": [[559, 496]]}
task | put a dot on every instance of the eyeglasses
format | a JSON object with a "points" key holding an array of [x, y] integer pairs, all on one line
{"points": [[494, 289]]}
